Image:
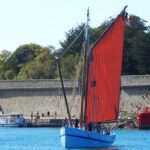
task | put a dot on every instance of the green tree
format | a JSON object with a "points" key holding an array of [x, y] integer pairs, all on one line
{"points": [[5, 55], [141, 49], [22, 55], [42, 67], [69, 66], [5, 72], [136, 47]]}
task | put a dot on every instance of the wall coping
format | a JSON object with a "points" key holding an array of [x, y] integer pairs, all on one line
{"points": [[126, 81], [135, 80], [36, 84]]}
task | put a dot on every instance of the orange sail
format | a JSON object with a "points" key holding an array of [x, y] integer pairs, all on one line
{"points": [[104, 74]]}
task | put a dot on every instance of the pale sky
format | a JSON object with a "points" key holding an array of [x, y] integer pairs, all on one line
{"points": [[45, 21]]}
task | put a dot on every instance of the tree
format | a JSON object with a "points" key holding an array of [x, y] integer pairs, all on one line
{"points": [[22, 55], [69, 66], [5, 55], [32, 61], [5, 72], [42, 67], [141, 49], [136, 47]]}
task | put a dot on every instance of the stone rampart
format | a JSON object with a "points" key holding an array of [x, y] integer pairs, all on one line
{"points": [[46, 95]]}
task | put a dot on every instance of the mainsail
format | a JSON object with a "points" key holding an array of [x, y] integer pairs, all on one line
{"points": [[104, 74]]}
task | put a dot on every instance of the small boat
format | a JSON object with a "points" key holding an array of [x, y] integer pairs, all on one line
{"points": [[144, 118], [101, 79], [12, 120]]}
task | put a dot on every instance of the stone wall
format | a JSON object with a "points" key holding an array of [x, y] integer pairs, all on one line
{"points": [[37, 100], [135, 93], [46, 95], [133, 98]]}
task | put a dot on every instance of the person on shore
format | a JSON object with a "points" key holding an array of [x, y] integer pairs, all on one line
{"points": [[55, 114], [48, 114], [31, 117], [37, 118]]}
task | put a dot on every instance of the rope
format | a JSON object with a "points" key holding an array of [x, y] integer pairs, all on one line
{"points": [[77, 79], [78, 68]]}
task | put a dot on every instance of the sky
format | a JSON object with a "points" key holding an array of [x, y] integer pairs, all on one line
{"points": [[45, 22]]}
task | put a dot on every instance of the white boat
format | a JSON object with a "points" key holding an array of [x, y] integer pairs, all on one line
{"points": [[101, 77], [12, 120]]}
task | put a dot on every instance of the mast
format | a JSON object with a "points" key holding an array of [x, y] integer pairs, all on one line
{"points": [[62, 84], [84, 69]]}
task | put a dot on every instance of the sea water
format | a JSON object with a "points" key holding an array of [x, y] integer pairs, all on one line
{"points": [[48, 139]]}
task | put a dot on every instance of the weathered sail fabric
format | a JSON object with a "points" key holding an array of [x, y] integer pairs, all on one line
{"points": [[104, 74]]}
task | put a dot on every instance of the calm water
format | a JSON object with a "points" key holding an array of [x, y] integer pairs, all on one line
{"points": [[48, 139]]}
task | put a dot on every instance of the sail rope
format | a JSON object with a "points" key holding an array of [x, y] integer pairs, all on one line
{"points": [[74, 87], [78, 69]]}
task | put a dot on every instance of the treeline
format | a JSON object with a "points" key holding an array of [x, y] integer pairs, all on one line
{"points": [[32, 61]]}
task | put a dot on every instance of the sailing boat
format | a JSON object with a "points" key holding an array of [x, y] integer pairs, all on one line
{"points": [[100, 89]]}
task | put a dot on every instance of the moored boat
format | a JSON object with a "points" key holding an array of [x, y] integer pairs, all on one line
{"points": [[144, 118], [12, 120]]}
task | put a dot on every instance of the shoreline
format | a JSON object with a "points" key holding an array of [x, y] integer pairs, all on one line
{"points": [[58, 122]]}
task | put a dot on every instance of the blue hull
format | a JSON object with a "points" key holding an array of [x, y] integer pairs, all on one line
{"points": [[78, 138]]}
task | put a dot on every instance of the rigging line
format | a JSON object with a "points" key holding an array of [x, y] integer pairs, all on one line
{"points": [[78, 71], [77, 79], [71, 43]]}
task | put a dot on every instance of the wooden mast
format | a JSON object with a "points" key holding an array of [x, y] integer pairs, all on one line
{"points": [[62, 84], [84, 71]]}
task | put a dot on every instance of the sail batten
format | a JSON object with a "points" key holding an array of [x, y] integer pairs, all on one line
{"points": [[104, 74]]}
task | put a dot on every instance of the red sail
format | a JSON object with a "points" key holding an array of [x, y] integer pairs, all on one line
{"points": [[104, 75]]}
